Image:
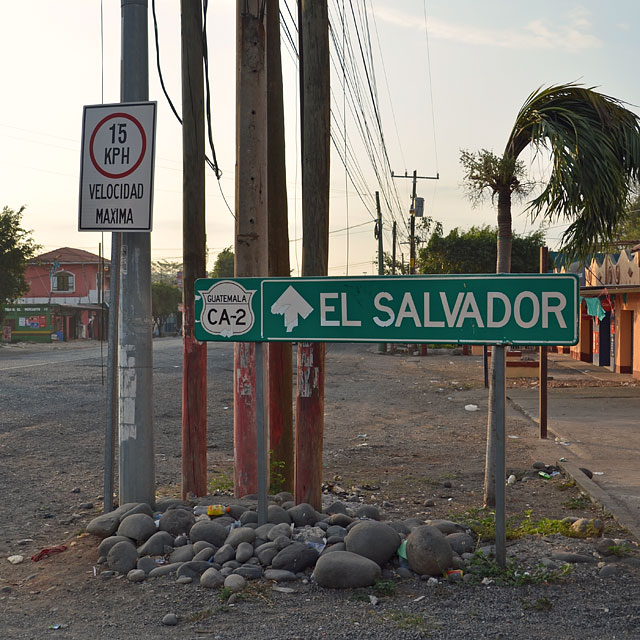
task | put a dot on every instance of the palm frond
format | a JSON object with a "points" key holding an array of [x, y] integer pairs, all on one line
{"points": [[594, 141]]}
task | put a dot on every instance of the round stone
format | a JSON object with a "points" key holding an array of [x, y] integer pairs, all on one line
{"points": [[244, 552], [242, 534], [209, 531], [122, 557], [136, 575], [211, 578], [176, 521], [170, 620], [235, 582], [374, 540], [428, 551], [345, 570]]}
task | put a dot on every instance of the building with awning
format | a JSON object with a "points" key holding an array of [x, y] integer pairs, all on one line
{"points": [[67, 299]]}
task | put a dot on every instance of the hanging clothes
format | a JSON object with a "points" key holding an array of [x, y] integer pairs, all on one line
{"points": [[594, 308]]}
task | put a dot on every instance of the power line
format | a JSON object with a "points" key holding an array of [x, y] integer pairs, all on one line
{"points": [[213, 165]]}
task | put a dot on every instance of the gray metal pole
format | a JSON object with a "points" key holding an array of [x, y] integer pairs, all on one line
{"points": [[543, 367], [137, 472], [499, 353], [261, 433], [112, 372]]}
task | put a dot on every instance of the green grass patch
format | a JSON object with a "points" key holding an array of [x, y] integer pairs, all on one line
{"points": [[483, 523], [541, 604], [512, 574], [407, 621], [577, 503]]}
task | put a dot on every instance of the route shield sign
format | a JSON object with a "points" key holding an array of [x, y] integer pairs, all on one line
{"points": [[519, 309], [116, 172]]}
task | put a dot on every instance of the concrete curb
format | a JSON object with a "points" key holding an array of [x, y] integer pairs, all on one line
{"points": [[601, 497], [596, 494]]}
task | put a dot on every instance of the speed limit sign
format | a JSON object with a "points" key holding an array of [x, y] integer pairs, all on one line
{"points": [[116, 174]]}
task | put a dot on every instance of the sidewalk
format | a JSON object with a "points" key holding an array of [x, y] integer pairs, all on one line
{"points": [[596, 427]]}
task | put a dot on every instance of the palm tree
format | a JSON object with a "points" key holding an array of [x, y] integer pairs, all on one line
{"points": [[594, 144]]}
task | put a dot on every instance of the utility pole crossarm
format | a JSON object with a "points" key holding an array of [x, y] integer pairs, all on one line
{"points": [[436, 177], [412, 241]]}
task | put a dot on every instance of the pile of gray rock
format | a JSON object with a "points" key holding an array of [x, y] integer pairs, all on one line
{"points": [[346, 546], [341, 548]]}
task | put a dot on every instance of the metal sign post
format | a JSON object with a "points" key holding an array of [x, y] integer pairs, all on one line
{"points": [[116, 173], [519, 309], [501, 309]]}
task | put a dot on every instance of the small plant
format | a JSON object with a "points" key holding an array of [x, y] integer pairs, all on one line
{"points": [[199, 616], [568, 484], [224, 594], [579, 503], [222, 483], [384, 588], [541, 604], [404, 620], [275, 474], [359, 595], [621, 550]]}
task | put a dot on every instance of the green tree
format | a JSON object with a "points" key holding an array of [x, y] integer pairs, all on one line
{"points": [[165, 271], [475, 251], [594, 144], [424, 226], [165, 299], [387, 265], [17, 247], [629, 229], [223, 266]]}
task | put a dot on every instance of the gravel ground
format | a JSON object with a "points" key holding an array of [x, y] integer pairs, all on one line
{"points": [[396, 433]]}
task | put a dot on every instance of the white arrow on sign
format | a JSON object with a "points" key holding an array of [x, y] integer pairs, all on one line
{"points": [[291, 305]]}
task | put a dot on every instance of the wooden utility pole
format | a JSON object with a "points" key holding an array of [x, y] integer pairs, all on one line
{"points": [[251, 222], [315, 66], [393, 250], [392, 347], [412, 236], [280, 368], [382, 346], [194, 355]]}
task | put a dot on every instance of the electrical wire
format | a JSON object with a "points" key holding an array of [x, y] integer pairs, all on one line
{"points": [[433, 117], [212, 164]]}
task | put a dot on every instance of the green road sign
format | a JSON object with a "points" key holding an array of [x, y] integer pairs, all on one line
{"points": [[521, 309]]}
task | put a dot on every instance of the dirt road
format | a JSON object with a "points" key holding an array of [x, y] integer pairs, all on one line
{"points": [[397, 434]]}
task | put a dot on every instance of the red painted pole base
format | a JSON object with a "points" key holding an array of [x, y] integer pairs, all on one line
{"points": [[245, 478], [309, 424], [194, 417], [281, 416]]}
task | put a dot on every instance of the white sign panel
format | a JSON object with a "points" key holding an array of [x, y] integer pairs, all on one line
{"points": [[116, 172]]}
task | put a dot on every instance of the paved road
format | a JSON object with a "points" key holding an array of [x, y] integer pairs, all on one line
{"points": [[52, 424], [597, 428]]}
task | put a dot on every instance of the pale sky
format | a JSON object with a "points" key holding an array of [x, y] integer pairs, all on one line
{"points": [[486, 57]]}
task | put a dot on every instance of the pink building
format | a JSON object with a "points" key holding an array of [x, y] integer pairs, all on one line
{"points": [[73, 285]]}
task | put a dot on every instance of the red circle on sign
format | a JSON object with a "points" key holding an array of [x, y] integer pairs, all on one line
{"points": [[142, 151]]}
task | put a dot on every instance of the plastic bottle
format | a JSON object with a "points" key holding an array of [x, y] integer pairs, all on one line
{"points": [[210, 509]]}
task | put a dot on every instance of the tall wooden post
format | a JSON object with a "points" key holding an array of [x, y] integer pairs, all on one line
{"points": [[280, 369], [314, 27], [382, 346], [251, 222], [194, 357]]}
